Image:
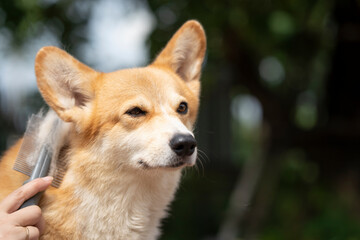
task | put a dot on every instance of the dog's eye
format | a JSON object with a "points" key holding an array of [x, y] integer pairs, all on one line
{"points": [[183, 108], [136, 112]]}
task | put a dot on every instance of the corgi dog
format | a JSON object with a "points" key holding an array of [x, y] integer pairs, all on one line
{"points": [[125, 138]]}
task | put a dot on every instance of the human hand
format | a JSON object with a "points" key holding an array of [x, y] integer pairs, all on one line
{"points": [[26, 223]]}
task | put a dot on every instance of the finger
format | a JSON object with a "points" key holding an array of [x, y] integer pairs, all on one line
{"points": [[12, 202], [41, 225], [12, 232], [27, 216], [30, 231], [34, 233]]}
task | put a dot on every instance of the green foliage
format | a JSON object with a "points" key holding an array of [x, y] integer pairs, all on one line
{"points": [[297, 37], [307, 209], [26, 19]]}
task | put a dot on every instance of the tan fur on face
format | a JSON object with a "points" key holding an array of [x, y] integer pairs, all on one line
{"points": [[118, 182]]}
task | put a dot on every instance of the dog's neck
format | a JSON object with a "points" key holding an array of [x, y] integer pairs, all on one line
{"points": [[126, 205]]}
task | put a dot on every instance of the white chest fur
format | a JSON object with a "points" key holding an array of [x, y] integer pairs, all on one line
{"points": [[130, 208]]}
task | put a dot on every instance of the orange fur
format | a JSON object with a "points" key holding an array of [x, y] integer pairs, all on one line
{"points": [[10, 179], [119, 178]]}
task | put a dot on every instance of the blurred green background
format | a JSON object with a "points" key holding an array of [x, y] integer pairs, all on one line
{"points": [[279, 126]]}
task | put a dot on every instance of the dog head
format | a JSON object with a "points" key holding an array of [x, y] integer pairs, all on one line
{"points": [[141, 117]]}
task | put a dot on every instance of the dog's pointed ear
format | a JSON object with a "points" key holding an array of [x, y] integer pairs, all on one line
{"points": [[184, 53], [65, 83]]}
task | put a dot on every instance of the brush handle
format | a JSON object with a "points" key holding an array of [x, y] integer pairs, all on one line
{"points": [[41, 169], [34, 200]]}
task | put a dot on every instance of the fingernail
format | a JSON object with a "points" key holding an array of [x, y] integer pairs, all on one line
{"points": [[48, 179]]}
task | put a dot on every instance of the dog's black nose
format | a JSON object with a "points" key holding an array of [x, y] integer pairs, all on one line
{"points": [[183, 145]]}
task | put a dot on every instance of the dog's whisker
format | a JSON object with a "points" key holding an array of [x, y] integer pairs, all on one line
{"points": [[200, 158], [203, 155], [199, 162]]}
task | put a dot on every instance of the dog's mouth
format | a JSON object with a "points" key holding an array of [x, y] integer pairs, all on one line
{"points": [[174, 165]]}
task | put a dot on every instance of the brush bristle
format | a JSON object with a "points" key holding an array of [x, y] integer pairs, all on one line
{"points": [[48, 129]]}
